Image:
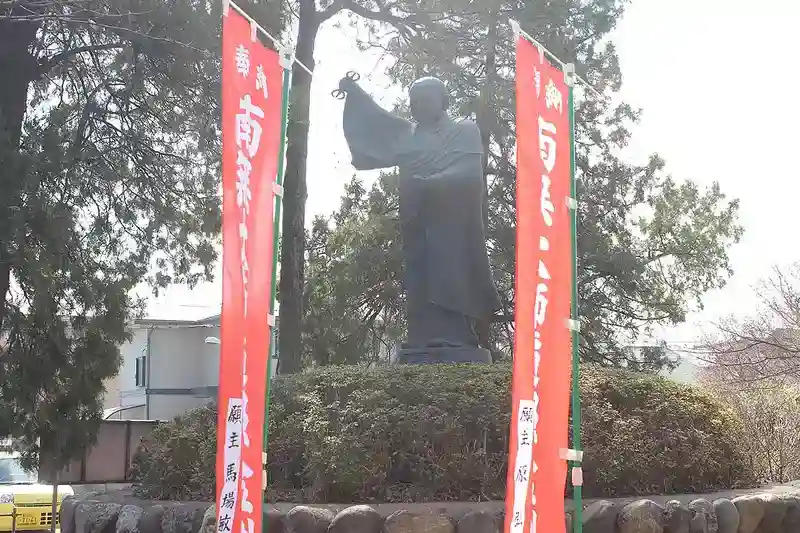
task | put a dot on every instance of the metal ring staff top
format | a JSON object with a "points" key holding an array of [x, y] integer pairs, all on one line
{"points": [[339, 93]]}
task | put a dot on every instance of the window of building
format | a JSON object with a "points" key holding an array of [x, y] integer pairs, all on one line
{"points": [[141, 371]]}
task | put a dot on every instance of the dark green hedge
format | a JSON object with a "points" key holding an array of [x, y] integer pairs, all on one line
{"points": [[402, 434]]}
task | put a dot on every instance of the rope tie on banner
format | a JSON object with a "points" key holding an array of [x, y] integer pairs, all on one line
{"points": [[570, 75], [519, 32], [569, 454], [253, 31], [284, 50], [575, 457], [264, 470], [287, 58]]}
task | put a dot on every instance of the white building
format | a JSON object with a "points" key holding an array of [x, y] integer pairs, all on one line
{"points": [[168, 368], [172, 366], [687, 372]]}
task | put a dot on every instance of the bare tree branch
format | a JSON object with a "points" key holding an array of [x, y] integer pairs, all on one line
{"points": [[46, 64], [765, 345]]}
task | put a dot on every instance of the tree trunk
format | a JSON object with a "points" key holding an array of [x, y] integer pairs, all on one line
{"points": [[485, 117], [293, 237], [485, 121], [19, 68]]}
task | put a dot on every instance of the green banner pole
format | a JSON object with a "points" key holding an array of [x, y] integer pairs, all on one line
{"points": [[286, 63], [577, 494]]}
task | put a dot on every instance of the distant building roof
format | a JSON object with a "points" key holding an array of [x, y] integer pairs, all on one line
{"points": [[107, 413], [209, 321], [212, 320]]}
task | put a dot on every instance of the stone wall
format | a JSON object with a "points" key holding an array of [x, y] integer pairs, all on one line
{"points": [[754, 513]]}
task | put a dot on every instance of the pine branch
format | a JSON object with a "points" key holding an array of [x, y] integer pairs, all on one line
{"points": [[46, 64]]}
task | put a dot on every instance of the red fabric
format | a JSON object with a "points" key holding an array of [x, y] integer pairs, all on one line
{"points": [[251, 111], [542, 342]]}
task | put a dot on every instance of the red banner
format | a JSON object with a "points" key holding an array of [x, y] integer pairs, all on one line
{"points": [[251, 111], [542, 339]]}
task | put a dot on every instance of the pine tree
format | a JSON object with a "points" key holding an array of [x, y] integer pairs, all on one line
{"points": [[649, 246], [109, 165], [311, 15]]}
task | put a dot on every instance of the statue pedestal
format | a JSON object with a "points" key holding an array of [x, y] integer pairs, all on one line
{"points": [[436, 355]]}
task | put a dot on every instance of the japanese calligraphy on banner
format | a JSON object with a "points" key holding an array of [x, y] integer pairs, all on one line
{"points": [[251, 109], [542, 340]]}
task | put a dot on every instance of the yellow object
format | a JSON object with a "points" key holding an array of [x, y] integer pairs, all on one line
{"points": [[32, 500]]}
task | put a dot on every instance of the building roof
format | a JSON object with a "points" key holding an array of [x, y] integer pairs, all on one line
{"points": [[212, 320], [209, 321]]}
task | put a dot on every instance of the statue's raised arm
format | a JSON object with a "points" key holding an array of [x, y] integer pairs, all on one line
{"points": [[374, 135]]}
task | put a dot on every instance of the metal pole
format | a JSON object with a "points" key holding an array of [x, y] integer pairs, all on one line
{"points": [[54, 509], [286, 62], [577, 495], [14, 519]]}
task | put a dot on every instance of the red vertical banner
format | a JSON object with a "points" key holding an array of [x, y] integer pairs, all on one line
{"points": [[542, 337], [251, 111]]}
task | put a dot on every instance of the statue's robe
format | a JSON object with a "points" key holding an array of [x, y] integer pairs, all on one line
{"points": [[447, 272]]}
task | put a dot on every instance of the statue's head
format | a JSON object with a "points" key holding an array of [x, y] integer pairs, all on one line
{"points": [[429, 100]]}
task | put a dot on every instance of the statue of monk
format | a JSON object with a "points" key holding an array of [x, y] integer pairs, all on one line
{"points": [[448, 281]]}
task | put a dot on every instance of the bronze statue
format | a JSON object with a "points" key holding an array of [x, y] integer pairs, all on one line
{"points": [[448, 281]]}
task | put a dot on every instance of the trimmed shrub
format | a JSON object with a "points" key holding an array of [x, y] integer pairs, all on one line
{"points": [[425, 433], [646, 435], [176, 461]]}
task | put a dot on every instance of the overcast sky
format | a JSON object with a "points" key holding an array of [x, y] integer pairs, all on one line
{"points": [[717, 82]]}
